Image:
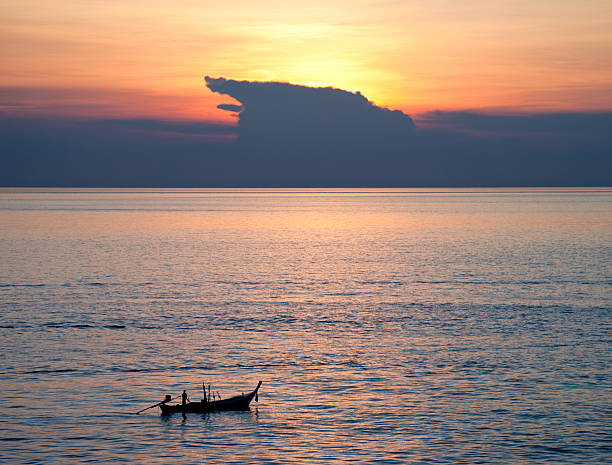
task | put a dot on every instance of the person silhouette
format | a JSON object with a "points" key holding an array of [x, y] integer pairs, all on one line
{"points": [[184, 399]]}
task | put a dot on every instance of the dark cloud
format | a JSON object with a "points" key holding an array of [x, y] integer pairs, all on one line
{"points": [[113, 153], [299, 136], [558, 124], [194, 128], [230, 107], [326, 136], [317, 116]]}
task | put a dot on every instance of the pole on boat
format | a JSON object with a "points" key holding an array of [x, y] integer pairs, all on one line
{"points": [[257, 389], [167, 399], [204, 389]]}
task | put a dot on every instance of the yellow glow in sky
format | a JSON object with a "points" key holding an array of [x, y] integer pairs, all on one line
{"points": [[148, 58]]}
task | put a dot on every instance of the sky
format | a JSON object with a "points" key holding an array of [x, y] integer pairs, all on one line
{"points": [[506, 92], [112, 58]]}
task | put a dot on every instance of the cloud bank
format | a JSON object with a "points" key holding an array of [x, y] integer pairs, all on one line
{"points": [[265, 102], [327, 119], [297, 136]]}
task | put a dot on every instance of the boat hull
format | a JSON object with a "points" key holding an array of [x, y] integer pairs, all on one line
{"points": [[233, 403]]}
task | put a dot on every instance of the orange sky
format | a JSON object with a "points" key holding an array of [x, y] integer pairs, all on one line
{"points": [[147, 58]]}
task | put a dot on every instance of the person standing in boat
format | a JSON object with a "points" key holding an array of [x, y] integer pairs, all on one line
{"points": [[184, 398]]}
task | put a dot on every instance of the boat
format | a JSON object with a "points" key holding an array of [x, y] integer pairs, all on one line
{"points": [[239, 402]]}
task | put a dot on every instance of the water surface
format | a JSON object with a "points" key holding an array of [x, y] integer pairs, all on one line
{"points": [[388, 326]]}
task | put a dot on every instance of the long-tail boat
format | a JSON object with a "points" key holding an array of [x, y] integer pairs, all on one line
{"points": [[239, 402]]}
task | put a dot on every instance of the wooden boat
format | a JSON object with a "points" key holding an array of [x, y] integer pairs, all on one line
{"points": [[240, 402]]}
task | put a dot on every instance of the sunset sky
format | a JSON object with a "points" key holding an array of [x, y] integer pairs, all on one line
{"points": [[147, 59]]}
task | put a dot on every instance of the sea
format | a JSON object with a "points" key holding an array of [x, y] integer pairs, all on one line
{"points": [[388, 326]]}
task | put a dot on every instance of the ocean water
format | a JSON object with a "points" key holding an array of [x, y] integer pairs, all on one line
{"points": [[388, 326]]}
